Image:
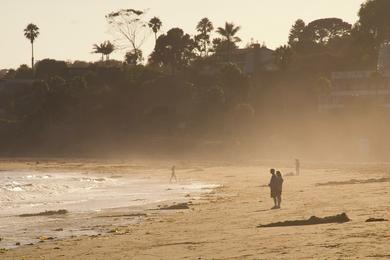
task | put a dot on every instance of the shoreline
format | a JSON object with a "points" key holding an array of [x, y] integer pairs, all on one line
{"points": [[36, 225]]}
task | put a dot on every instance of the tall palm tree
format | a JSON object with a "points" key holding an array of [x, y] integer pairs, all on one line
{"points": [[31, 32], [155, 24], [228, 33]]}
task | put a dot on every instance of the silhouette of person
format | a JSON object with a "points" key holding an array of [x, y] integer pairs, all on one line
{"points": [[297, 166], [173, 174], [279, 188], [273, 186]]}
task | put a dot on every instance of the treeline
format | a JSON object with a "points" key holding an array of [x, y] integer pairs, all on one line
{"points": [[188, 92], [69, 105]]}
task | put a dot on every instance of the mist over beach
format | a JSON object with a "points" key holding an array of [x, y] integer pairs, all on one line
{"points": [[183, 130]]}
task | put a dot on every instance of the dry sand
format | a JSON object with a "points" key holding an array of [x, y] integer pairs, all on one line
{"points": [[223, 224]]}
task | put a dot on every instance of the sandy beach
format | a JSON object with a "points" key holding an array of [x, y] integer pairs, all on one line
{"points": [[223, 223]]}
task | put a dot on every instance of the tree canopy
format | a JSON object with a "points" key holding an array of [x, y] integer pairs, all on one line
{"points": [[374, 19], [296, 33], [31, 32], [323, 31], [174, 49], [129, 27], [203, 38], [155, 24]]}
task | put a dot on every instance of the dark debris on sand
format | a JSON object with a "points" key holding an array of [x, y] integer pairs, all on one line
{"points": [[46, 213], [340, 218], [125, 215], [376, 220], [176, 207]]}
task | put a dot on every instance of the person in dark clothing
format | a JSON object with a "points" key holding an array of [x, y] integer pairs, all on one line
{"points": [[273, 186], [279, 188]]}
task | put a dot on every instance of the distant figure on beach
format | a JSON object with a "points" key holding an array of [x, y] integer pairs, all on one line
{"points": [[273, 186], [297, 166], [173, 174], [279, 188]]}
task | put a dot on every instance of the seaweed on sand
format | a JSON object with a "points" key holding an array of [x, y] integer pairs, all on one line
{"points": [[46, 213], [376, 220], [340, 218], [176, 207]]}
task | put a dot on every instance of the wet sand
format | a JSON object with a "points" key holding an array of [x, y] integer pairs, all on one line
{"points": [[224, 224], [51, 204]]}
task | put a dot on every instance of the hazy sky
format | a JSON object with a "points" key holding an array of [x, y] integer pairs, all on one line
{"points": [[69, 28]]}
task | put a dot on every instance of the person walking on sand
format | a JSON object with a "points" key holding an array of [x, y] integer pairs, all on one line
{"points": [[297, 166], [173, 174], [279, 188], [273, 186]]}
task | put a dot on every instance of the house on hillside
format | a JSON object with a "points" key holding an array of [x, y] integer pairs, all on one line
{"points": [[255, 59], [351, 89], [251, 60]]}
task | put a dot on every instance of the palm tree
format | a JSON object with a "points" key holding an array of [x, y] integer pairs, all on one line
{"points": [[228, 33], [155, 24], [205, 26], [98, 48], [108, 49], [31, 32], [104, 48]]}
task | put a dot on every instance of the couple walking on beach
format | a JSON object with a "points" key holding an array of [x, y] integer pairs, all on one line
{"points": [[276, 186]]}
